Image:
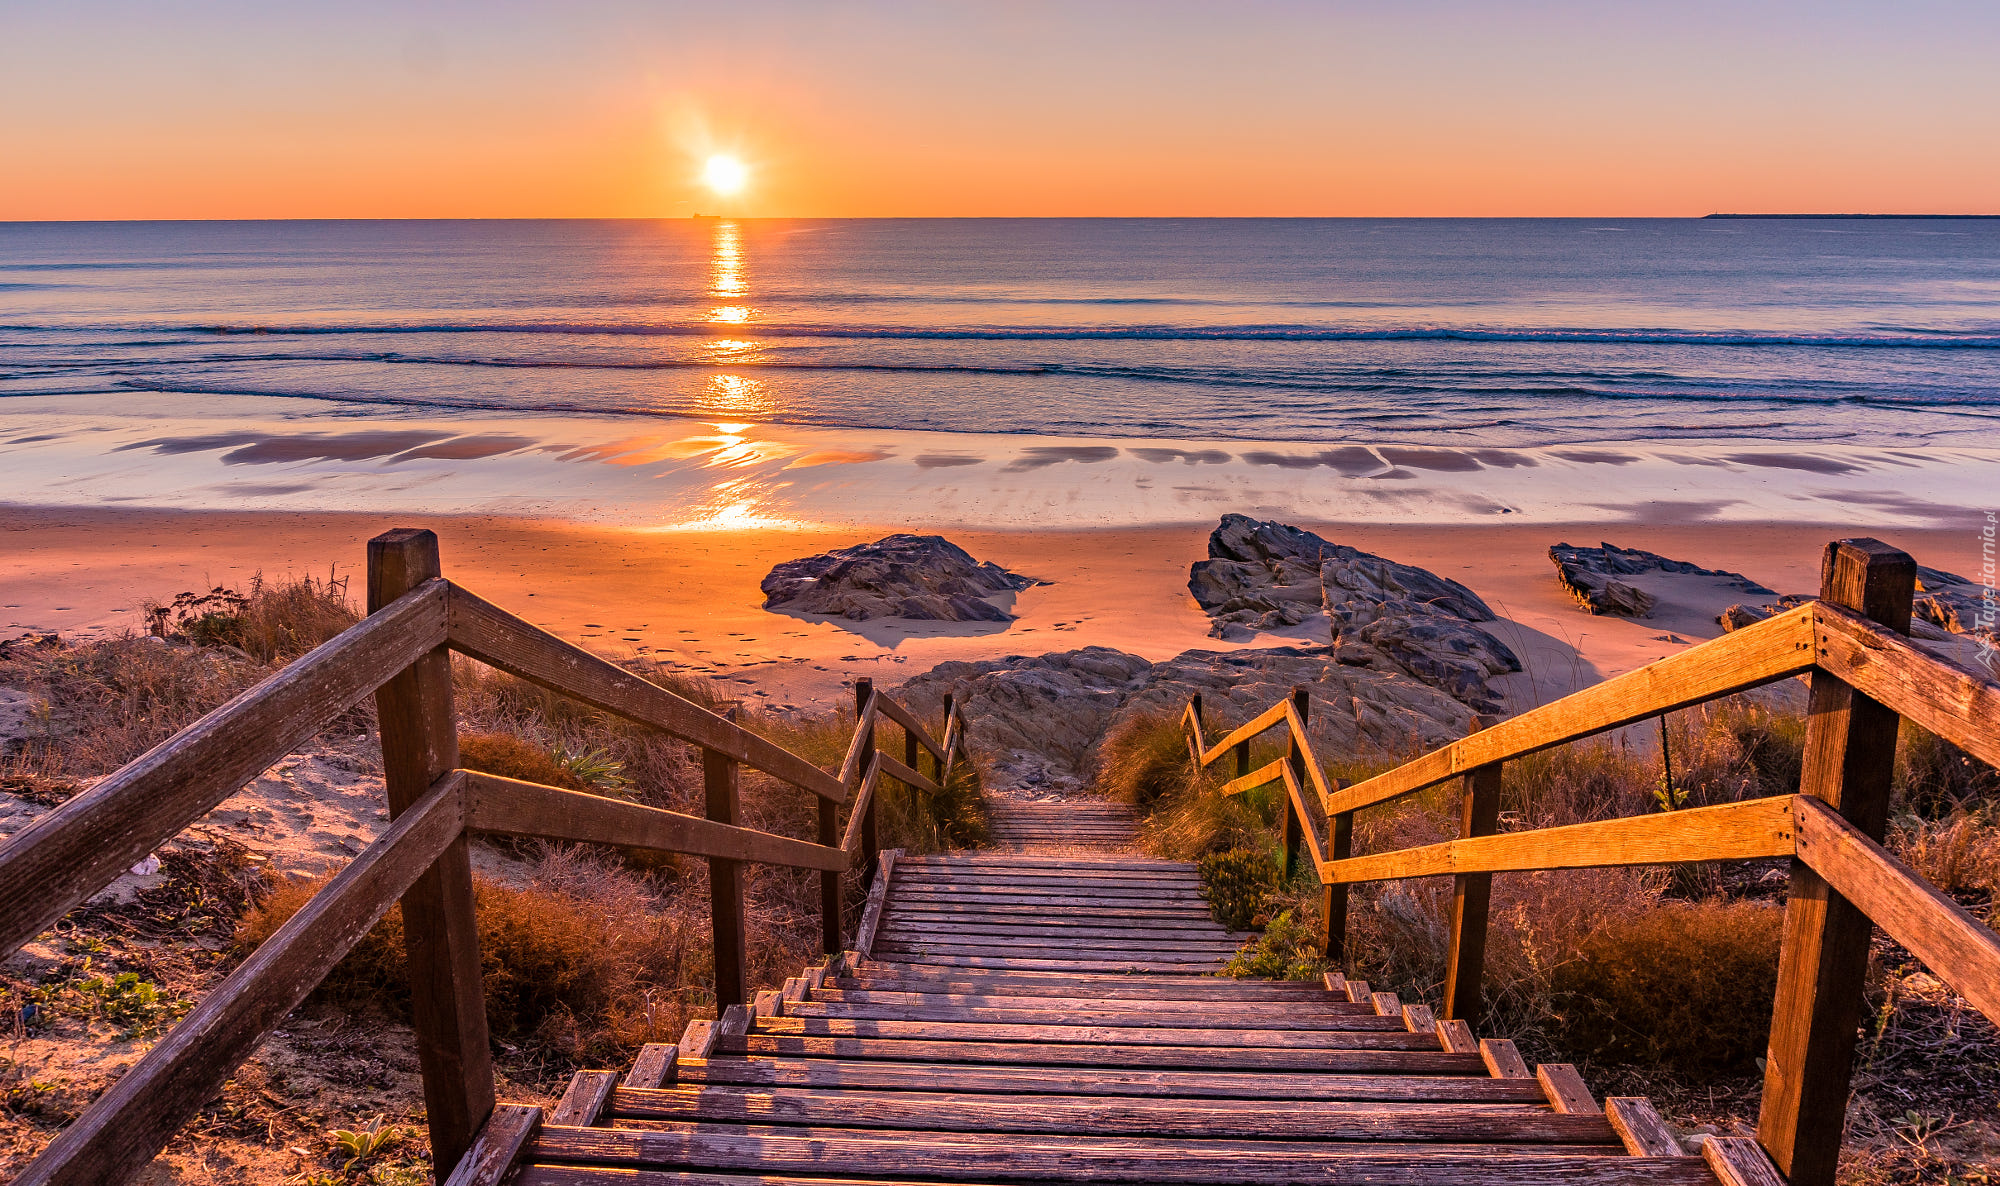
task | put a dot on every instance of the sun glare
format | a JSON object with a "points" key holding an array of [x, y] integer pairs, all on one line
{"points": [[725, 175]]}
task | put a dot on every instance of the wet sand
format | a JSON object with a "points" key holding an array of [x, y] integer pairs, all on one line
{"points": [[690, 600]]}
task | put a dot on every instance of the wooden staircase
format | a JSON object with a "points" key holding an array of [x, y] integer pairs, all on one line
{"points": [[1039, 1017]]}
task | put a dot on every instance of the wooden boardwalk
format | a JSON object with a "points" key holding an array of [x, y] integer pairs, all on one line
{"points": [[1038, 1016]]}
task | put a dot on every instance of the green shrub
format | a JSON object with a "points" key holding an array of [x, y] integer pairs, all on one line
{"points": [[1683, 985], [1236, 884], [1287, 950]]}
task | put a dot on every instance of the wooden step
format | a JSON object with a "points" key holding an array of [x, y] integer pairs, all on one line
{"points": [[1019, 1157], [1085, 1013], [1330, 1007], [975, 1031], [1315, 1120], [1433, 1061]]}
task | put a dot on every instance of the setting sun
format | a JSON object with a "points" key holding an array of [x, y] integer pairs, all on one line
{"points": [[724, 174]]}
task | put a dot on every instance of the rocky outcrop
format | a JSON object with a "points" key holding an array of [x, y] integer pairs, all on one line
{"points": [[1380, 614], [1591, 575], [1040, 718], [926, 578], [1954, 604]]}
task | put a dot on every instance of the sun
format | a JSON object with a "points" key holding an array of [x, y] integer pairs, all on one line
{"points": [[725, 175]]}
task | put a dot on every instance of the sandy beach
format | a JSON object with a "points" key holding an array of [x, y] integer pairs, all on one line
{"points": [[690, 600]]}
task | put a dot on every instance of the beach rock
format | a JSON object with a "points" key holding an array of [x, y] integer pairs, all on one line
{"points": [[925, 578], [1591, 575], [1039, 719], [1954, 604], [1380, 614]]}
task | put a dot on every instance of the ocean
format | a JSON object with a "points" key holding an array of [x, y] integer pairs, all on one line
{"points": [[1488, 333]]}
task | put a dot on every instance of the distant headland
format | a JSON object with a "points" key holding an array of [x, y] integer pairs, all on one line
{"points": [[1851, 216]]}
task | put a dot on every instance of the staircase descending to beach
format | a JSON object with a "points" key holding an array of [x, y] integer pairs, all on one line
{"points": [[1046, 1010], [1050, 1014]]}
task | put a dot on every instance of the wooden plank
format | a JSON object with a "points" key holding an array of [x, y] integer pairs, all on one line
{"points": [[860, 805], [1566, 1089], [1050, 879], [934, 1111], [878, 896], [510, 807], [1082, 961], [831, 930], [1376, 1169], [1066, 865], [657, 1064], [1419, 1019], [119, 1133], [1089, 1012], [497, 638], [1471, 896], [1455, 1035], [1386, 1005], [1312, 825], [1307, 762], [1262, 776], [1204, 989], [585, 1098], [1761, 653], [768, 1003], [1048, 1157], [506, 1132], [1642, 1129], [904, 774], [906, 940], [1098, 999], [699, 1039], [1358, 992], [1502, 1060], [1740, 1161], [912, 727], [1732, 831], [1108, 1081], [1066, 928], [1848, 764], [55, 863], [1054, 1053], [1267, 719], [418, 729], [1950, 940], [1118, 1035], [860, 746], [1955, 704]]}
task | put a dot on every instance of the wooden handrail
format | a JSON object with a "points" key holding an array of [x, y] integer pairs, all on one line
{"points": [[1964, 952], [1771, 650], [1865, 676], [864, 802], [1947, 700], [120, 1132], [497, 638], [399, 653], [1732, 831], [511, 807], [54, 864]]}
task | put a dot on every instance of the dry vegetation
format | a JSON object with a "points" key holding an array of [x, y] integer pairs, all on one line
{"points": [[587, 953], [1657, 982]]}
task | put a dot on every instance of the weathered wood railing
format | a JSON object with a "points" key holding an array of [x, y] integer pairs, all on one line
{"points": [[1864, 674], [401, 653]]}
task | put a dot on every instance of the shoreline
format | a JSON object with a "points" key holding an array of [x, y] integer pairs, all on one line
{"points": [[691, 602]]}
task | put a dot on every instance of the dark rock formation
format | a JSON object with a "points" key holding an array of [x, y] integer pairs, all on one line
{"points": [[1040, 718], [1954, 604], [1591, 574], [1381, 614], [922, 577]]}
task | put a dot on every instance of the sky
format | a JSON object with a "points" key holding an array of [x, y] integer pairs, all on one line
{"points": [[608, 109]]}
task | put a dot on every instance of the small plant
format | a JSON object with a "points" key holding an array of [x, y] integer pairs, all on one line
{"points": [[1236, 883], [364, 1142], [126, 1000], [1286, 950], [595, 768]]}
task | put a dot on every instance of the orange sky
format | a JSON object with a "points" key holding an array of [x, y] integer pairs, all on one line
{"points": [[606, 109]]}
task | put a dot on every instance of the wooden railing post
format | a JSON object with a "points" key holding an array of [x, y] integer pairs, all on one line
{"points": [[721, 783], [440, 930], [1295, 827], [1332, 897], [870, 845], [943, 731], [1471, 893], [1850, 755]]}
